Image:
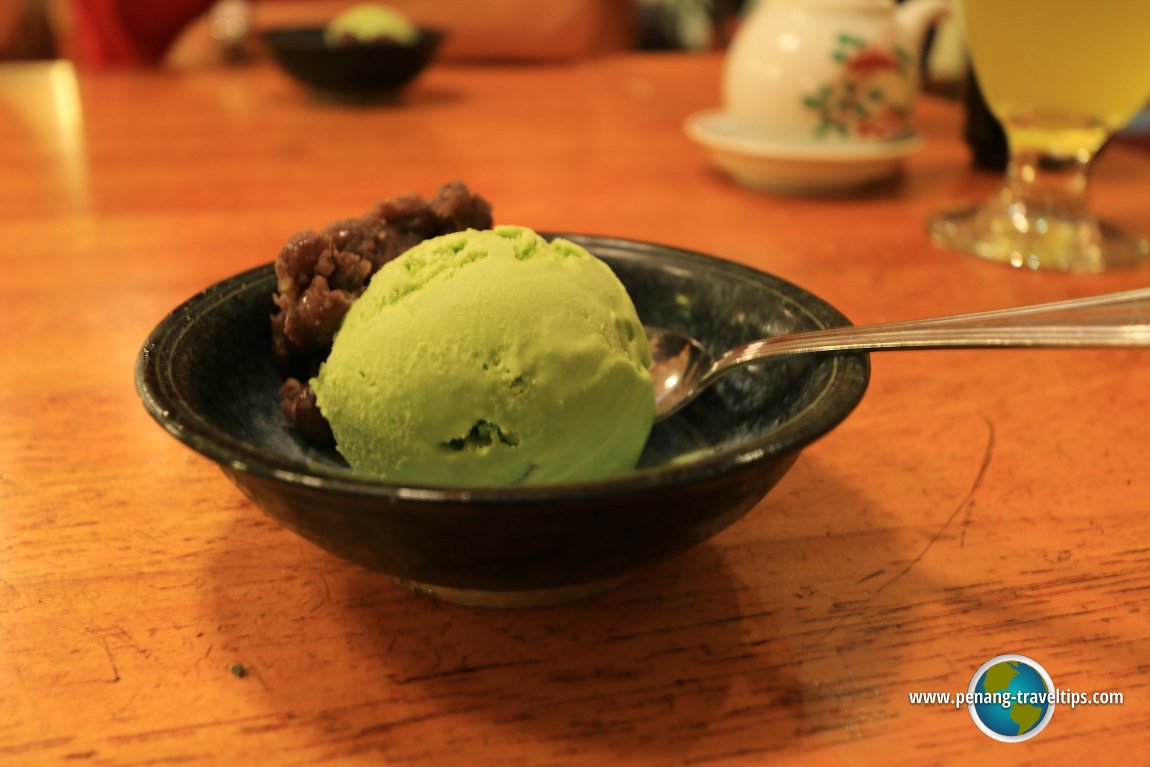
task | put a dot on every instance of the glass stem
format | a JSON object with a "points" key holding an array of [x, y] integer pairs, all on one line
{"points": [[1042, 186]]}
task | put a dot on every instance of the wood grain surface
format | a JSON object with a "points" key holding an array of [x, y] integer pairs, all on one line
{"points": [[976, 503]]}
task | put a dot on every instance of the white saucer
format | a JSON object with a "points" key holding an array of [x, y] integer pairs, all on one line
{"points": [[765, 165]]}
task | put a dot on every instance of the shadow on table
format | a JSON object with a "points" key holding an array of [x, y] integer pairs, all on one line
{"points": [[799, 627], [642, 670], [416, 97], [684, 659]]}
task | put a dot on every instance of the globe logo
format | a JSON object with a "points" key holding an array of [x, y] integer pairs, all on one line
{"points": [[1011, 698]]}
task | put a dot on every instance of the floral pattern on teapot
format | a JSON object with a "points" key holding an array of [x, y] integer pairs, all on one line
{"points": [[855, 103]]}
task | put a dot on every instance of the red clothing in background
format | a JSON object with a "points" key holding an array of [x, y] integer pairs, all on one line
{"points": [[129, 32]]}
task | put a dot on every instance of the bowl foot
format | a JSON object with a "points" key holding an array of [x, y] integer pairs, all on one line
{"points": [[527, 598]]}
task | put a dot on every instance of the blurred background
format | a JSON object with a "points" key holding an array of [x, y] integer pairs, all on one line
{"points": [[180, 33]]}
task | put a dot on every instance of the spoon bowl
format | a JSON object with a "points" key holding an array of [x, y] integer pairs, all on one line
{"points": [[682, 367]]}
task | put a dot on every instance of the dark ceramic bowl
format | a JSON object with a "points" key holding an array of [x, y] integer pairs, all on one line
{"points": [[359, 70], [207, 375]]}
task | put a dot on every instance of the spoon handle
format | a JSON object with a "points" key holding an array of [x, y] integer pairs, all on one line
{"points": [[1112, 319]]}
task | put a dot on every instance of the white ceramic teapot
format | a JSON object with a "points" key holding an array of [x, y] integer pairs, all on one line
{"points": [[828, 71]]}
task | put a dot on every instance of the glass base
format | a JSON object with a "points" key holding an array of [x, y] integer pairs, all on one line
{"points": [[1034, 240]]}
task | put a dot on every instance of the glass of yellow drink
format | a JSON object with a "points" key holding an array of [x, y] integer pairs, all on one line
{"points": [[1061, 76]]}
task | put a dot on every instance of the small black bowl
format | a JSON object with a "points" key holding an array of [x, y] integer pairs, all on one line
{"points": [[353, 70], [207, 375]]}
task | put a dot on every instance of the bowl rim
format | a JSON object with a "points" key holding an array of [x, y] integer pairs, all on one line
{"points": [[843, 390], [309, 37]]}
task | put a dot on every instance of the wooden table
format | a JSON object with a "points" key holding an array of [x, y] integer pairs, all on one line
{"points": [[976, 503]]}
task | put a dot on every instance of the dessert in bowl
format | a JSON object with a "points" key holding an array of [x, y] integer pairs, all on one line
{"points": [[368, 51], [208, 374]]}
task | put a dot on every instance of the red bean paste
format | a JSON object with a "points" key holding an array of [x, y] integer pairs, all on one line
{"points": [[320, 274]]}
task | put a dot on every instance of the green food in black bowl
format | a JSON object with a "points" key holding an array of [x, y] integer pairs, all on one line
{"points": [[356, 70], [208, 376]]}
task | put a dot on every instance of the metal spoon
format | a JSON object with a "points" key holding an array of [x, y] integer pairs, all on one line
{"points": [[682, 367]]}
